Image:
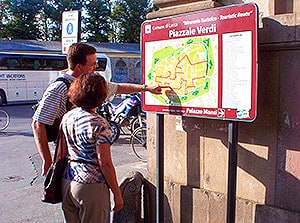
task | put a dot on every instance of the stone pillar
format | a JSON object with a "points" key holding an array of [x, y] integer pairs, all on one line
{"points": [[196, 150]]}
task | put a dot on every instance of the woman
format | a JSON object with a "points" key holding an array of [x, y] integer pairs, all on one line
{"points": [[90, 171]]}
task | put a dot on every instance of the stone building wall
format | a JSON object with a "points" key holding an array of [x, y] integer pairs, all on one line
{"points": [[196, 150], [130, 72]]}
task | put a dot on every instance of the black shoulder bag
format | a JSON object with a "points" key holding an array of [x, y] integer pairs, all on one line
{"points": [[53, 182]]}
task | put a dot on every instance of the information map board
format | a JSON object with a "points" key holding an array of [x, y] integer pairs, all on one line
{"points": [[209, 61]]}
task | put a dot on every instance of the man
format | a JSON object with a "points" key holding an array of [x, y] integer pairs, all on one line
{"points": [[81, 59]]}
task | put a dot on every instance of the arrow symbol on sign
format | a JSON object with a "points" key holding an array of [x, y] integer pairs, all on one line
{"points": [[221, 113]]}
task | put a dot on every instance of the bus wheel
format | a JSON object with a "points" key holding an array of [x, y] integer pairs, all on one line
{"points": [[2, 99]]}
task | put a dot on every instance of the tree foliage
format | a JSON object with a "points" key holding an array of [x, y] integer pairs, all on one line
{"points": [[97, 26], [21, 20], [4, 17], [128, 16], [50, 22], [102, 20]]}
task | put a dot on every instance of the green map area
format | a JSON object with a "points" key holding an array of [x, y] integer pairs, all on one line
{"points": [[187, 69]]}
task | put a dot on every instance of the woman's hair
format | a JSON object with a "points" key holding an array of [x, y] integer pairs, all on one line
{"points": [[77, 54], [88, 91]]}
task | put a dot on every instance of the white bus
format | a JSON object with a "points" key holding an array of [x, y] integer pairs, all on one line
{"points": [[25, 76]]}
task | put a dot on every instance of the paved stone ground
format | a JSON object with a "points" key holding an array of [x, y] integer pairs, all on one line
{"points": [[21, 186], [24, 205]]}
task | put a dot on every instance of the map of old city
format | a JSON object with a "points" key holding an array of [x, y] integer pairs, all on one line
{"points": [[188, 66]]}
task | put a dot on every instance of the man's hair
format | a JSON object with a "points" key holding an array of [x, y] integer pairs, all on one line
{"points": [[77, 54], [88, 91]]}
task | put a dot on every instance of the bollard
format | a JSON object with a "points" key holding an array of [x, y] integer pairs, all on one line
{"points": [[131, 189]]}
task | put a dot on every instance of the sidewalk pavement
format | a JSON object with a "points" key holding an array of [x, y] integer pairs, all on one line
{"points": [[25, 205]]}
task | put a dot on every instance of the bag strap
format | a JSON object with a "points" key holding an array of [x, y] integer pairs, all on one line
{"points": [[67, 83], [61, 149]]}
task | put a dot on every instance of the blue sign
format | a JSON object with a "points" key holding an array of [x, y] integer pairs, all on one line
{"points": [[70, 28]]}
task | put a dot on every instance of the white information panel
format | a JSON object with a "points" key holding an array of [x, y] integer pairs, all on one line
{"points": [[237, 70]]}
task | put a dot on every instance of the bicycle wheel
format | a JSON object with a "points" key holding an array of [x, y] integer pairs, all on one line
{"points": [[124, 124], [137, 122], [138, 141], [4, 120], [115, 130]]}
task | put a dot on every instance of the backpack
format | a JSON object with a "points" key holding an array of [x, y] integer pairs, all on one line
{"points": [[52, 130]]}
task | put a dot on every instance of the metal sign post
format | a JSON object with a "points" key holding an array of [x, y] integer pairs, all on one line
{"points": [[160, 168], [232, 170]]}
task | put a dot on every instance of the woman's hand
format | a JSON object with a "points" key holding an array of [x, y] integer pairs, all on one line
{"points": [[45, 167], [119, 203]]}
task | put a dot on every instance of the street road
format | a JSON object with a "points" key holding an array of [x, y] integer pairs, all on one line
{"points": [[20, 164]]}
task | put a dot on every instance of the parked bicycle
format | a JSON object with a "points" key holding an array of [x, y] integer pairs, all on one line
{"points": [[128, 114], [113, 125], [128, 117], [138, 142], [115, 130], [138, 121], [4, 120]]}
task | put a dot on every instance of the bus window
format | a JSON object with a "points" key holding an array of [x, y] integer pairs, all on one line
{"points": [[61, 64], [104, 66], [13, 63], [3, 63], [31, 64], [54, 64], [102, 62]]}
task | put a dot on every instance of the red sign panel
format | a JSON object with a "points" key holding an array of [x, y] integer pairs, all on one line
{"points": [[207, 59]]}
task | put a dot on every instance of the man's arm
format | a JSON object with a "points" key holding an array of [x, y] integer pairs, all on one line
{"points": [[40, 138], [127, 88]]}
